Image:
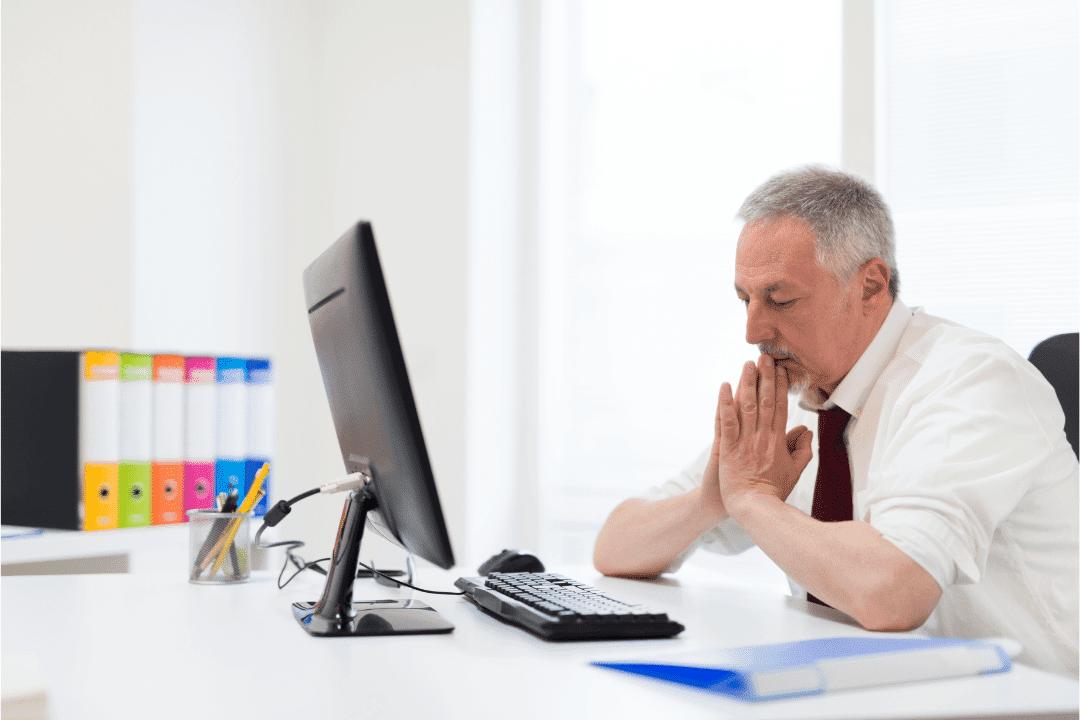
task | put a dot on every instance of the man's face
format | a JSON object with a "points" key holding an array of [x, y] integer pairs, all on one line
{"points": [[795, 310]]}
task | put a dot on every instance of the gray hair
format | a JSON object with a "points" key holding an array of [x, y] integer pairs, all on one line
{"points": [[850, 220]]}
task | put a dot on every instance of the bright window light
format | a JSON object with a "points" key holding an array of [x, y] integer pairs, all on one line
{"points": [[659, 118]]}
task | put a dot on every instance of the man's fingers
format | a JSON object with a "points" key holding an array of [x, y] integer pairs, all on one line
{"points": [[780, 414], [748, 397], [739, 392], [766, 392], [717, 430], [799, 445], [793, 437], [726, 419]]}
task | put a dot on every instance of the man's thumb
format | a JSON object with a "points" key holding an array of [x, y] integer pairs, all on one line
{"points": [[798, 443]]}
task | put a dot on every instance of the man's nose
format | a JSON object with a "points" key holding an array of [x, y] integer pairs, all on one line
{"points": [[758, 328]]}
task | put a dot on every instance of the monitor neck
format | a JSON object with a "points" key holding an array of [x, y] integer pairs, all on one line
{"points": [[335, 606]]}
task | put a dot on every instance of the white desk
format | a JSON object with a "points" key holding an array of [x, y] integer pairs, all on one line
{"points": [[154, 645], [135, 550], [73, 551]]}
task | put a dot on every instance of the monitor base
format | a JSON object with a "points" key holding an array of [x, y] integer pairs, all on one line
{"points": [[374, 617]]}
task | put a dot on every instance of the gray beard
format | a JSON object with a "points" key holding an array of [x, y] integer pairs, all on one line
{"points": [[798, 387]]}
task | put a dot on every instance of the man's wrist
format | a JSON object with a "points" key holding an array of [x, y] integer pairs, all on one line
{"points": [[707, 511], [743, 506]]}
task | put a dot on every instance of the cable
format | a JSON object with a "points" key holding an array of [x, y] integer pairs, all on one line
{"points": [[408, 585], [278, 512], [301, 567], [275, 515]]}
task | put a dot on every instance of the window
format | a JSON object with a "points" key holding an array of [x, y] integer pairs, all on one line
{"points": [[658, 119], [978, 129]]}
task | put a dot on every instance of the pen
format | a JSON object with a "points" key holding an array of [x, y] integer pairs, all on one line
{"points": [[220, 549], [229, 503], [230, 507], [226, 504], [252, 497], [217, 529]]}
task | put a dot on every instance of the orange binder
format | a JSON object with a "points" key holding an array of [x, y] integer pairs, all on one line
{"points": [[167, 468], [99, 439]]}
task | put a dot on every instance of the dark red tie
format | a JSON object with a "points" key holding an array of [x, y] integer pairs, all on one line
{"points": [[832, 491]]}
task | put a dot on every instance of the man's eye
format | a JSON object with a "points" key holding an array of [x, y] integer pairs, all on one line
{"points": [[784, 304]]}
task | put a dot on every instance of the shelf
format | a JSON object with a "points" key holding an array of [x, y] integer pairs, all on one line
{"points": [[135, 550]]}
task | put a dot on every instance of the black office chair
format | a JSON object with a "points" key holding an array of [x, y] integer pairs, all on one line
{"points": [[1057, 359]]}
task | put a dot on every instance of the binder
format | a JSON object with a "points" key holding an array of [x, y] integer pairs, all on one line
{"points": [[167, 465], [39, 439], [136, 439], [200, 431], [99, 439], [811, 667], [232, 413], [60, 438], [260, 436]]}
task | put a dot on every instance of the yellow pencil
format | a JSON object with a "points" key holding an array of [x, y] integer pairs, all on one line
{"points": [[221, 545], [249, 501], [256, 485], [252, 497]]}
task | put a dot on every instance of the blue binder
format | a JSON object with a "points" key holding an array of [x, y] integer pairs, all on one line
{"points": [[811, 667], [232, 426], [260, 437]]}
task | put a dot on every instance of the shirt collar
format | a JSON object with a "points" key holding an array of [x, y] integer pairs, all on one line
{"points": [[853, 390]]}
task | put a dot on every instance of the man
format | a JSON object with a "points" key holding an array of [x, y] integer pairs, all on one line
{"points": [[947, 492]]}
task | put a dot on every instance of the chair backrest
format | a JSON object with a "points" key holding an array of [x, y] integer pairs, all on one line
{"points": [[1058, 359]]}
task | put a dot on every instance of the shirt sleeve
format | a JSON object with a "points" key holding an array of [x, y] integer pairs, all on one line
{"points": [[961, 446], [726, 537]]}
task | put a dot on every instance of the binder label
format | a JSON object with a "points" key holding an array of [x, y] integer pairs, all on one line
{"points": [[101, 365], [168, 369]]}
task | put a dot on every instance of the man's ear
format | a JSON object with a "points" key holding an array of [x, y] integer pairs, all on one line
{"points": [[875, 284]]}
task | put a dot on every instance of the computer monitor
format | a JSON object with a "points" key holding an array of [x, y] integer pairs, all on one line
{"points": [[379, 434]]}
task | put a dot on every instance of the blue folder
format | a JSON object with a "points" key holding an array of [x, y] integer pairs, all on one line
{"points": [[811, 667]]}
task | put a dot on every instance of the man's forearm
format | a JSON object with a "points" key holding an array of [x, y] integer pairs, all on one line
{"points": [[641, 538], [849, 565]]}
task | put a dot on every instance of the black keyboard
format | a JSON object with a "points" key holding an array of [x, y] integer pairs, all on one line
{"points": [[558, 608]]}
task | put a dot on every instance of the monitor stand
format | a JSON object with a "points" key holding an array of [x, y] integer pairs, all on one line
{"points": [[336, 614]]}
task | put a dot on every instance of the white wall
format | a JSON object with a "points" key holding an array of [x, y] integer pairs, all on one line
{"points": [[209, 182], [256, 132], [858, 101], [65, 210], [391, 145]]}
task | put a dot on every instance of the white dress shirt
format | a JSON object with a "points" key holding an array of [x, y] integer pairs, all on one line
{"points": [[959, 458]]}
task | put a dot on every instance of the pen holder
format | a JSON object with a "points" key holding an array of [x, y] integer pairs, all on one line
{"points": [[219, 547]]}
